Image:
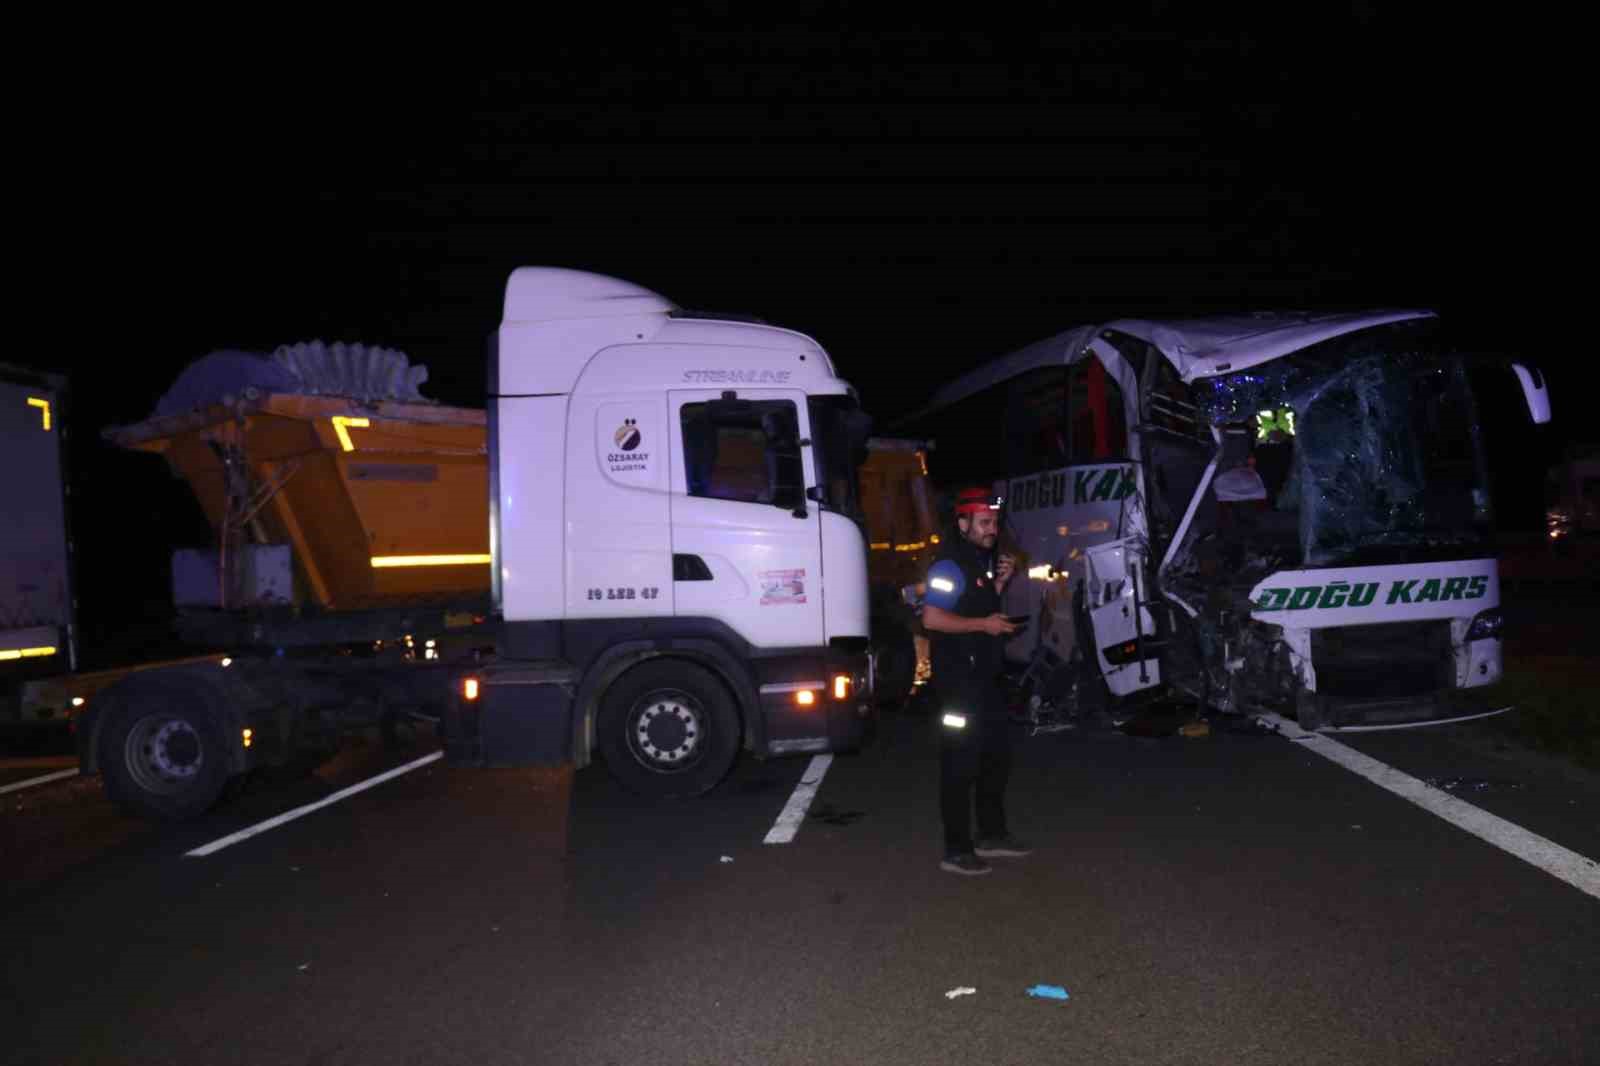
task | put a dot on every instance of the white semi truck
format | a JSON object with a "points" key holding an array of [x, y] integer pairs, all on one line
{"points": [[649, 546], [1267, 511]]}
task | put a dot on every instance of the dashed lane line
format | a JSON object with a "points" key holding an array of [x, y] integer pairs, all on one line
{"points": [[300, 812], [794, 812], [34, 782]]}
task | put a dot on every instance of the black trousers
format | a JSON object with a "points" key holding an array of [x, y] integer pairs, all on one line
{"points": [[974, 762]]}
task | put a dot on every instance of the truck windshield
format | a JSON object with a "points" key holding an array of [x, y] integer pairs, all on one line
{"points": [[1372, 439], [839, 432]]}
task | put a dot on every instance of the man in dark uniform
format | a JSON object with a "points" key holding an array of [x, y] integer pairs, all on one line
{"points": [[967, 632]]}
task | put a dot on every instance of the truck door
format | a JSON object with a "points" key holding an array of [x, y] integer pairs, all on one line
{"points": [[746, 539]]}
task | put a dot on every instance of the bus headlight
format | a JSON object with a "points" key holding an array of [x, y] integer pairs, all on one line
{"points": [[1486, 626]]}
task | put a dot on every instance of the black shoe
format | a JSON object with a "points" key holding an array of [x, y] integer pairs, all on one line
{"points": [[1008, 847], [966, 864]]}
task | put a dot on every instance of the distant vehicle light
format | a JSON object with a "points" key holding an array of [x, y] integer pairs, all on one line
{"points": [[469, 689], [805, 697], [248, 736]]}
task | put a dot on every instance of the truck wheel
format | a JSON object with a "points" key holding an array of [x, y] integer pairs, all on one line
{"points": [[896, 669], [668, 729], [162, 756]]}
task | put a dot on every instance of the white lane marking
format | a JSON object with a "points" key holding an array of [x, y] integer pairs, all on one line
{"points": [[1579, 871], [794, 812], [1430, 723], [301, 812], [18, 786]]}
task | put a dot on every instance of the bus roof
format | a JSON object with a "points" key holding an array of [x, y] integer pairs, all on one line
{"points": [[1197, 347], [1204, 347]]}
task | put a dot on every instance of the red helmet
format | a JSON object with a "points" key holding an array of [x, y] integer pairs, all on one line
{"points": [[974, 501]]}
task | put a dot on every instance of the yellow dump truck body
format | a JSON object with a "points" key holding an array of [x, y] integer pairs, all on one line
{"points": [[383, 504]]}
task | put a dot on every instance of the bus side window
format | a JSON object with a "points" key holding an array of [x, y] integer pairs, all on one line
{"points": [[1035, 417]]}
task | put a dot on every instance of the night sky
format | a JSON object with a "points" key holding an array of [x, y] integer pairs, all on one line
{"points": [[917, 201]]}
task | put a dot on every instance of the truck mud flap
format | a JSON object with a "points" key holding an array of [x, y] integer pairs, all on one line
{"points": [[511, 717]]}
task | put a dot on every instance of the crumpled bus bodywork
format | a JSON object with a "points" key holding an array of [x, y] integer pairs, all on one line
{"points": [[1273, 511]]}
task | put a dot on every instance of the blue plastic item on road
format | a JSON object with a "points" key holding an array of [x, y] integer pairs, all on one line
{"points": [[1048, 992]]}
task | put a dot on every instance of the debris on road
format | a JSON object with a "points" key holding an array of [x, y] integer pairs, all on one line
{"points": [[828, 814], [1048, 992], [964, 990], [1473, 784]]}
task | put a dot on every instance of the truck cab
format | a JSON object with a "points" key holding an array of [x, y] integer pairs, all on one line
{"points": [[675, 515]]}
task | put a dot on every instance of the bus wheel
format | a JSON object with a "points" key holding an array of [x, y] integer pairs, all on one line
{"points": [[668, 729]]}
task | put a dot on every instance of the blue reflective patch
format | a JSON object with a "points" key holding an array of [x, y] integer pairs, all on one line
{"points": [[946, 583]]}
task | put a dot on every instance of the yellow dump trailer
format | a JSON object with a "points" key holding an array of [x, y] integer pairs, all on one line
{"points": [[898, 501], [383, 504]]}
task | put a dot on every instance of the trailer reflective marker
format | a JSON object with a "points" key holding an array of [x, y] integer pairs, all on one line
{"points": [[381, 562], [342, 425], [44, 410], [26, 653]]}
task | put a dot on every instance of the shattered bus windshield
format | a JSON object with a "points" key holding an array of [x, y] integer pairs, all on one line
{"points": [[1372, 439]]}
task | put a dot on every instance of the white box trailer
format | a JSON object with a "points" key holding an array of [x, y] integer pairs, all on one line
{"points": [[36, 601]]}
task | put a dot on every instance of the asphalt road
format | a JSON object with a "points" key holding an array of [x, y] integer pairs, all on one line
{"points": [[1233, 899]]}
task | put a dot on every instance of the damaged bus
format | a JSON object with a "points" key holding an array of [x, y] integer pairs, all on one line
{"points": [[1281, 512]]}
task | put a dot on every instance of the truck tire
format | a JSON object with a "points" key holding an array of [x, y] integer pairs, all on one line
{"points": [[896, 668], [668, 729], [162, 755]]}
